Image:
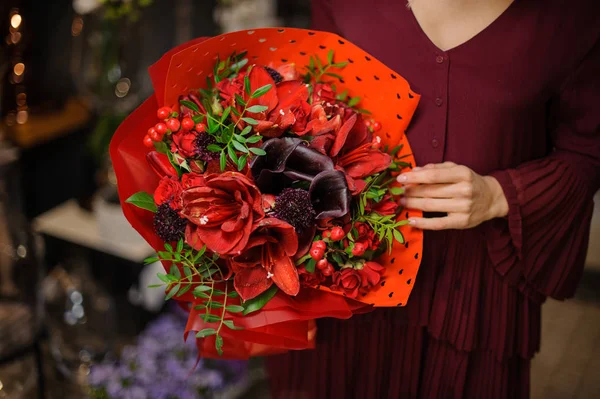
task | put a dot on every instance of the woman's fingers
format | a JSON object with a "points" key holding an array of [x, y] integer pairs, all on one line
{"points": [[457, 190], [436, 204], [452, 221], [437, 175]]}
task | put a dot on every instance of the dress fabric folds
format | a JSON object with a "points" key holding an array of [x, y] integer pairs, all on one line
{"points": [[519, 101]]}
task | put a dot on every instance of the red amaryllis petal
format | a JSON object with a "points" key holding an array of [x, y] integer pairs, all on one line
{"points": [[283, 232], [283, 270], [259, 77], [342, 135], [290, 93], [251, 282], [160, 164], [370, 162], [191, 237]]}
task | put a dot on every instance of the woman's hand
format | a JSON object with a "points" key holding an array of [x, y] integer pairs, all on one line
{"points": [[468, 198]]}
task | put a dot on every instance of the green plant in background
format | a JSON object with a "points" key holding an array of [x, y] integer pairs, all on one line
{"points": [[119, 9]]}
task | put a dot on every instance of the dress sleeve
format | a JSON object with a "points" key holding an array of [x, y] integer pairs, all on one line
{"points": [[322, 16], [541, 245]]}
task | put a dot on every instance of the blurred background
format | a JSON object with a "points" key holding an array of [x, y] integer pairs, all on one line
{"points": [[76, 318]]}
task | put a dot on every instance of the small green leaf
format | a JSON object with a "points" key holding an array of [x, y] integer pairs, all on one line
{"points": [[225, 114], [201, 288], [161, 147], [210, 318], [172, 292], [174, 271], [398, 236], [340, 64], [213, 148], [235, 112], [257, 151], [247, 83], [396, 190], [163, 277], [261, 91], [242, 162], [240, 147], [185, 289], [232, 155], [215, 305], [198, 118], [254, 139], [188, 272], [233, 294], [219, 345], [230, 325], [223, 160], [256, 303], [342, 96], [250, 121], [364, 111], [353, 101], [199, 254], [213, 126], [303, 259], [165, 255], [155, 285], [180, 245], [311, 63], [246, 130], [151, 259], [310, 265], [319, 64], [191, 105], [234, 308], [257, 108], [168, 247], [239, 138], [240, 100], [207, 332], [330, 57], [218, 293], [143, 200], [334, 75]]}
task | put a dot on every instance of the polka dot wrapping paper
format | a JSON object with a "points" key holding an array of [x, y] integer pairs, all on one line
{"points": [[285, 322]]}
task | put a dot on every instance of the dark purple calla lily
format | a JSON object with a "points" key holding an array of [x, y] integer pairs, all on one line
{"points": [[289, 160]]}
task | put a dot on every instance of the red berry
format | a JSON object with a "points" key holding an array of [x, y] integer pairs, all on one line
{"points": [[337, 233], [359, 249], [173, 124], [161, 128], [327, 234], [376, 126], [319, 244], [200, 127], [328, 271], [317, 254], [148, 142], [154, 135], [322, 264], [164, 112], [368, 123], [187, 124]]}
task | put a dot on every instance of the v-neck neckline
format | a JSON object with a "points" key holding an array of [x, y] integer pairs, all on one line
{"points": [[485, 31]]}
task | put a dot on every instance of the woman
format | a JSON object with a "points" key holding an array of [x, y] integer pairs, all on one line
{"points": [[508, 126]]}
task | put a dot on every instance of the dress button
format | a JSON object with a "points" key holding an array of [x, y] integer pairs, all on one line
{"points": [[435, 143], [439, 101], [439, 59]]}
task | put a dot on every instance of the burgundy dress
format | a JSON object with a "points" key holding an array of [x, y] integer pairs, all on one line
{"points": [[520, 101]]}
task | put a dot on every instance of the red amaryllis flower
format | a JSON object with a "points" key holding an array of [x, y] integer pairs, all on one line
{"points": [[228, 88], [223, 209], [258, 77], [371, 273], [308, 279], [291, 111], [348, 281], [323, 92], [267, 259], [288, 71], [168, 191], [190, 180]]}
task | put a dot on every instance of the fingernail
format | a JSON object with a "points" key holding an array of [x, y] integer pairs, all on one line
{"points": [[402, 178], [412, 222]]}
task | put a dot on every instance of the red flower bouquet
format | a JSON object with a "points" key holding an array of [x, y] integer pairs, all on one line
{"points": [[262, 171]]}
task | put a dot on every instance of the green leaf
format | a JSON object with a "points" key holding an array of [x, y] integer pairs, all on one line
{"points": [[234, 308], [201, 288], [240, 100], [232, 155], [231, 326], [199, 254], [168, 247], [190, 105], [210, 318], [143, 200], [180, 245], [218, 293], [342, 96], [151, 259], [340, 64], [223, 160], [254, 139], [161, 147], [319, 64], [174, 271], [233, 294], [257, 151], [188, 272], [213, 148], [303, 259], [250, 121], [334, 75], [247, 83], [398, 236], [239, 138], [219, 345], [242, 162], [257, 108], [311, 63], [261, 91], [364, 111], [396, 190], [256, 303], [310, 265], [337, 258], [213, 126], [198, 118], [240, 147], [246, 130], [353, 101], [185, 289], [173, 291], [155, 285], [235, 112], [163, 277], [330, 57], [207, 332], [215, 305], [225, 114], [165, 255]]}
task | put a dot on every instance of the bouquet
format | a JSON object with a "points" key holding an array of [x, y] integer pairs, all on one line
{"points": [[263, 172]]}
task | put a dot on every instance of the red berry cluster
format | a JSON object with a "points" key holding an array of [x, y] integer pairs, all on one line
{"points": [[170, 124]]}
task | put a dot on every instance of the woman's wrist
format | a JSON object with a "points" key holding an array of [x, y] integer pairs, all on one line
{"points": [[499, 204]]}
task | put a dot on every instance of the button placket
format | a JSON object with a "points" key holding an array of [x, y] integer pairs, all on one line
{"points": [[440, 98]]}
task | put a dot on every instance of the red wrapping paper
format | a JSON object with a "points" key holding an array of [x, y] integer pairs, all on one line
{"points": [[284, 323]]}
